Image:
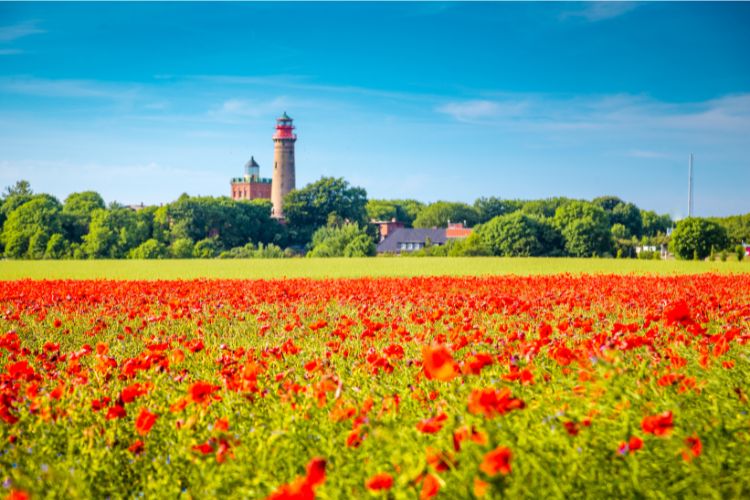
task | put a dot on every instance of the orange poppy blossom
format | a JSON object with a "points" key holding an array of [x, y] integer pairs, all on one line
{"points": [[438, 363]]}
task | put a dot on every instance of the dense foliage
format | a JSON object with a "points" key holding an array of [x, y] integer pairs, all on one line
{"points": [[518, 387], [404, 211], [695, 238], [38, 226], [440, 213], [326, 201]]}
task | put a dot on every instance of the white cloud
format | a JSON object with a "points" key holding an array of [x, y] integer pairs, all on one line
{"points": [[67, 88], [480, 109], [728, 114], [238, 108], [599, 11], [16, 31], [642, 153]]}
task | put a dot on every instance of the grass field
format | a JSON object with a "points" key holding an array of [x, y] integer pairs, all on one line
{"points": [[335, 268]]}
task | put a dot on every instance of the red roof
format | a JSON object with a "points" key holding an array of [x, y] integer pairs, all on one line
{"points": [[457, 232]]}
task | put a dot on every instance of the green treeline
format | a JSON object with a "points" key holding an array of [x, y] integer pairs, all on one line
{"points": [[331, 218]]}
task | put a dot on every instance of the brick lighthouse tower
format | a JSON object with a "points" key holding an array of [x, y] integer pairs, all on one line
{"points": [[283, 163]]}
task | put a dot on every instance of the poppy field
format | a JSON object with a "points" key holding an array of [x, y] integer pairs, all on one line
{"points": [[557, 386]]}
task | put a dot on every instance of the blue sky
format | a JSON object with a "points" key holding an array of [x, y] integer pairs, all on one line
{"points": [[453, 101]]}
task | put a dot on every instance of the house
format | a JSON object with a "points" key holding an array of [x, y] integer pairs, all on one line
{"points": [[661, 249], [403, 239], [386, 227]]}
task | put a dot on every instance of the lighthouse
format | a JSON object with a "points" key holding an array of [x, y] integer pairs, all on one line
{"points": [[283, 163]]}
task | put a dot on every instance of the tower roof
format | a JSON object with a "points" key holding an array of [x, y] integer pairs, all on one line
{"points": [[285, 117], [251, 163]]}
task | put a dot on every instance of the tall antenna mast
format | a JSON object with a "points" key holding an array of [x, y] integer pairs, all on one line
{"points": [[690, 187]]}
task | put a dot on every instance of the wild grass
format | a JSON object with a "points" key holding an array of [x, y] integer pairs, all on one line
{"points": [[350, 268]]}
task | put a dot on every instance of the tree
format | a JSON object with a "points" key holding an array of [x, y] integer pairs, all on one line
{"points": [[249, 251], [361, 246], [149, 249], [694, 237], [404, 211], [544, 208], [489, 208], [438, 214], [629, 216], [654, 224], [57, 247], [339, 241], [737, 226], [620, 232], [585, 227], [181, 248], [519, 235], [113, 233], [27, 229], [582, 240], [411, 208], [234, 223], [607, 203], [20, 188], [77, 210], [83, 203], [310, 207], [207, 248], [13, 197]]}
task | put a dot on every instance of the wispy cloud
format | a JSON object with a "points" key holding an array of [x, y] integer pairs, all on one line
{"points": [[653, 155], [251, 107], [42, 87], [479, 110], [300, 83], [599, 11], [10, 52], [20, 30], [728, 114]]}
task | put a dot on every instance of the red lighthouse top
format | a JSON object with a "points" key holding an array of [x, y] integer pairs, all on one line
{"points": [[284, 128]]}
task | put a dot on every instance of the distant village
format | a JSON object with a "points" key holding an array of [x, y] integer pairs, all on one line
{"points": [[394, 237]]}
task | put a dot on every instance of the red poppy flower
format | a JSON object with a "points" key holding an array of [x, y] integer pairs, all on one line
{"points": [[145, 421], [695, 447], [433, 424], [496, 461], [137, 447], [316, 471], [201, 392], [17, 495], [302, 488], [658, 425], [430, 487], [634, 444], [492, 403], [222, 424], [116, 411], [677, 313], [131, 392], [204, 448], [379, 482], [467, 432], [441, 461]]}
